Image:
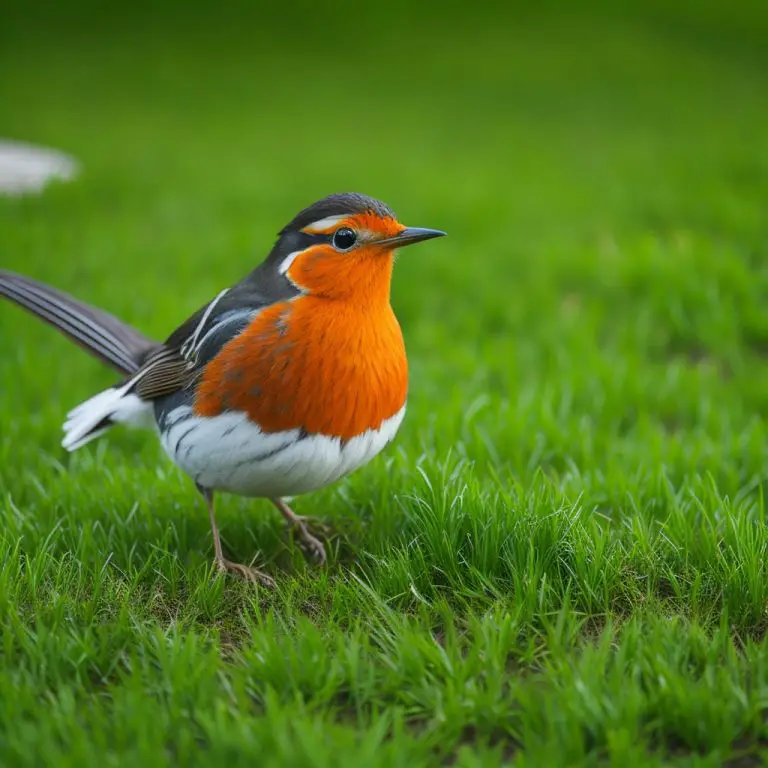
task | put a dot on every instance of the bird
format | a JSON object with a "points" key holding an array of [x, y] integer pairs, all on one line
{"points": [[282, 384]]}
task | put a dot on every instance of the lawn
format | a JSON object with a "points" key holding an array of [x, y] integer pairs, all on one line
{"points": [[562, 558]]}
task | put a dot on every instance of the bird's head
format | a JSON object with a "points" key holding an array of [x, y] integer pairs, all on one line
{"points": [[342, 247]]}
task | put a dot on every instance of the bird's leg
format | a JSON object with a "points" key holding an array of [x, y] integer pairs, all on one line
{"points": [[226, 566], [314, 545]]}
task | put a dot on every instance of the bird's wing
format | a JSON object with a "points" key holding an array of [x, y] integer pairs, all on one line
{"points": [[180, 361], [177, 367]]}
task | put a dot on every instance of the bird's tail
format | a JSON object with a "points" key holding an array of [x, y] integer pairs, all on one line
{"points": [[105, 337], [116, 405]]}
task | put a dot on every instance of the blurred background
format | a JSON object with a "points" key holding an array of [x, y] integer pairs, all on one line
{"points": [[601, 168], [585, 447]]}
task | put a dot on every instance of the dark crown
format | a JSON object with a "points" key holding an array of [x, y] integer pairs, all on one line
{"points": [[340, 204]]}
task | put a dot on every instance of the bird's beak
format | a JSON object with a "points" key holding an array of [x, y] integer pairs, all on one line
{"points": [[409, 236]]}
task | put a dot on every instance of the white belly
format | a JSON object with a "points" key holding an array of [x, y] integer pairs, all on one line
{"points": [[229, 453]]}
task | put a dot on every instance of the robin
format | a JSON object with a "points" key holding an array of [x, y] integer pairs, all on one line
{"points": [[282, 384]]}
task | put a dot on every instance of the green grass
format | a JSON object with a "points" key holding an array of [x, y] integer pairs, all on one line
{"points": [[561, 561]]}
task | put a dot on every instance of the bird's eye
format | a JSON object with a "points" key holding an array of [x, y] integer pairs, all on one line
{"points": [[344, 239]]}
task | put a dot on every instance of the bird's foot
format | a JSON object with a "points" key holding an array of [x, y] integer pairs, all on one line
{"points": [[304, 527], [312, 524], [245, 572]]}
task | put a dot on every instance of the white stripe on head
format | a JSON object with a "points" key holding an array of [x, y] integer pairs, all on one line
{"points": [[323, 224], [286, 263]]}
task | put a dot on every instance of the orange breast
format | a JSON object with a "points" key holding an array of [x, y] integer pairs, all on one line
{"points": [[329, 367]]}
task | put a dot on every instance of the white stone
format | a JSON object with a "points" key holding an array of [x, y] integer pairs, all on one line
{"points": [[27, 169]]}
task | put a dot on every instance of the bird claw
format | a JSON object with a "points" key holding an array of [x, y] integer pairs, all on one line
{"points": [[312, 544], [245, 572], [313, 524]]}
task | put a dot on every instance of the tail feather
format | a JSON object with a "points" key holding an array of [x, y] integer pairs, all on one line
{"points": [[95, 416], [103, 335]]}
